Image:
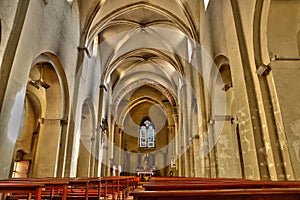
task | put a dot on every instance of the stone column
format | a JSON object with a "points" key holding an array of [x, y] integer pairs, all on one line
{"points": [[112, 144], [93, 154], [176, 142], [200, 85], [119, 146], [71, 157], [84, 157], [280, 129], [171, 145], [192, 158], [97, 144], [63, 150], [45, 162], [185, 134], [99, 139]]}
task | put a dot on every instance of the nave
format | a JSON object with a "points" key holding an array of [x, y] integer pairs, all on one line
{"points": [[167, 88], [161, 188]]}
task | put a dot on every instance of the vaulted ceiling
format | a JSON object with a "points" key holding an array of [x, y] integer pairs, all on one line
{"points": [[142, 42]]}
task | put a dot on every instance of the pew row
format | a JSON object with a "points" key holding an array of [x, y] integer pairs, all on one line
{"points": [[224, 194], [68, 188], [215, 188], [22, 188], [203, 185], [169, 179]]}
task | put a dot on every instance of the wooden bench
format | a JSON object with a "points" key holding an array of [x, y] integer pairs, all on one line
{"points": [[51, 186], [207, 188], [225, 194], [22, 188], [95, 188], [118, 185], [199, 185], [74, 188], [199, 179]]}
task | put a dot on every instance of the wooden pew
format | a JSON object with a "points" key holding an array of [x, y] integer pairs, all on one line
{"points": [[92, 188], [54, 187], [117, 185], [203, 188], [133, 181], [51, 186], [199, 185], [22, 188], [199, 179], [95, 188], [78, 188], [225, 194]]}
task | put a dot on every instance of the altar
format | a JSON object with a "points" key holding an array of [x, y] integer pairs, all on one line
{"points": [[144, 171], [145, 175]]}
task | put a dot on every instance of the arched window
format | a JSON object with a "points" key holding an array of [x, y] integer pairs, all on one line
{"points": [[147, 134]]}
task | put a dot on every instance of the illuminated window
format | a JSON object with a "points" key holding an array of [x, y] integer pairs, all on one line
{"points": [[206, 4], [147, 134]]}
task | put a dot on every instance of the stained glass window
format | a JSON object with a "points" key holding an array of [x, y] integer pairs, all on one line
{"points": [[147, 135]]}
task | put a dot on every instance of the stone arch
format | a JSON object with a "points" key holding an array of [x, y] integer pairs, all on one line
{"points": [[139, 83], [86, 152], [260, 26], [220, 82], [277, 52], [45, 118], [133, 55], [224, 70]]}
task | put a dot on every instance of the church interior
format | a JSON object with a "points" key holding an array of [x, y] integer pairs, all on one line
{"points": [[170, 88]]}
